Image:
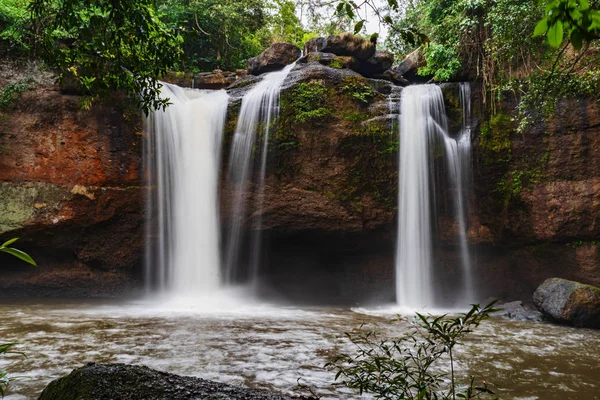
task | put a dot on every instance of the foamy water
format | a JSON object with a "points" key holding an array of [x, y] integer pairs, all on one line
{"points": [[267, 346]]}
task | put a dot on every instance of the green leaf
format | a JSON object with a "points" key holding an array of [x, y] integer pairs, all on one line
{"points": [[349, 11], [541, 27], [555, 34], [8, 243], [358, 27], [19, 254], [576, 39]]}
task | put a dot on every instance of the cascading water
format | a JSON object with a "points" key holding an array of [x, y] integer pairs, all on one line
{"points": [[259, 110], [458, 158], [182, 159], [420, 111], [423, 123]]}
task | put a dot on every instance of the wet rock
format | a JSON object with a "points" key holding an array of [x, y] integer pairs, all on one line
{"points": [[569, 302], [214, 80], [274, 58], [332, 61], [380, 62], [345, 44], [392, 76], [516, 311], [408, 67], [132, 382]]}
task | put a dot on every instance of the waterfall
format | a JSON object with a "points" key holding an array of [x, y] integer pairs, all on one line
{"points": [[258, 113], [421, 113], [182, 157], [458, 158], [423, 124]]}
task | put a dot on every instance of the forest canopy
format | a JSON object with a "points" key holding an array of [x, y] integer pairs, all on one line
{"points": [[535, 50]]}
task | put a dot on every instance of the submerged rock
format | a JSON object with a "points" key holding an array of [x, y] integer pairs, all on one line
{"points": [[274, 58], [132, 382], [569, 302], [515, 310]]}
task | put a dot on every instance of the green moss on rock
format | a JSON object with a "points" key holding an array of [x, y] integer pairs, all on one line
{"points": [[357, 88]]}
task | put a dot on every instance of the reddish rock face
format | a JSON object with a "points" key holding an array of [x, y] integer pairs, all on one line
{"points": [[70, 188]]}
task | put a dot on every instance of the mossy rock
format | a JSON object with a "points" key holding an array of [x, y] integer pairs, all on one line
{"points": [[569, 302]]}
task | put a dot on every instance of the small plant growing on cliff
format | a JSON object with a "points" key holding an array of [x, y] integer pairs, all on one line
{"points": [[402, 368], [358, 90], [10, 93], [4, 248]]}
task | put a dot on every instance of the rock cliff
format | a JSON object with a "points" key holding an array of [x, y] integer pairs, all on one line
{"points": [[71, 187]]}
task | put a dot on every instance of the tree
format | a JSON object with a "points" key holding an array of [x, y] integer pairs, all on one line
{"points": [[107, 46], [575, 18], [218, 33]]}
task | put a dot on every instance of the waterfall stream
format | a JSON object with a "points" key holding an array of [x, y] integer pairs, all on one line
{"points": [[258, 113], [423, 123], [182, 159]]}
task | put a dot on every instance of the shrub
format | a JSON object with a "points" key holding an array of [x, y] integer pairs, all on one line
{"points": [[402, 368]]}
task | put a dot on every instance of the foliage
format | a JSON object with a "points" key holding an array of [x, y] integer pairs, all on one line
{"points": [[5, 379], [108, 45], [404, 367], [286, 26], [357, 89], [574, 18], [442, 62], [11, 92], [4, 248], [357, 12], [217, 33], [308, 102], [14, 17]]}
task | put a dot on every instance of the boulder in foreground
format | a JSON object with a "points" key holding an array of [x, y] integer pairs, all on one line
{"points": [[569, 302], [132, 382]]}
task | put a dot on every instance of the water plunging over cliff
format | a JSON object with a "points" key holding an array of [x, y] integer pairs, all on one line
{"points": [[182, 252], [423, 123], [258, 113]]}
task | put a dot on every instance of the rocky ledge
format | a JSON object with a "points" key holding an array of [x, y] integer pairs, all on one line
{"points": [[133, 382]]}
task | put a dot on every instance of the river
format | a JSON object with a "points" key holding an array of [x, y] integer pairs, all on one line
{"points": [[271, 347]]}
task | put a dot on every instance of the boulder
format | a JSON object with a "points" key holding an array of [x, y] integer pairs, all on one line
{"points": [[214, 80], [132, 382], [332, 61], [392, 76], [569, 302], [380, 62], [345, 44], [274, 58], [408, 67]]}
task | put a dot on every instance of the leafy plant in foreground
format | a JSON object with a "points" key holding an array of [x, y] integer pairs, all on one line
{"points": [[4, 248], [5, 379], [407, 367]]}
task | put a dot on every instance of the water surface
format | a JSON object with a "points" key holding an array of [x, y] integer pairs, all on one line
{"points": [[271, 347]]}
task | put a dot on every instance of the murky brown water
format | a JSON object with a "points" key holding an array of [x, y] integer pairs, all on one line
{"points": [[271, 347]]}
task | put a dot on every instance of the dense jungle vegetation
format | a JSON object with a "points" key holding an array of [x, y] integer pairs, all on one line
{"points": [[536, 51]]}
